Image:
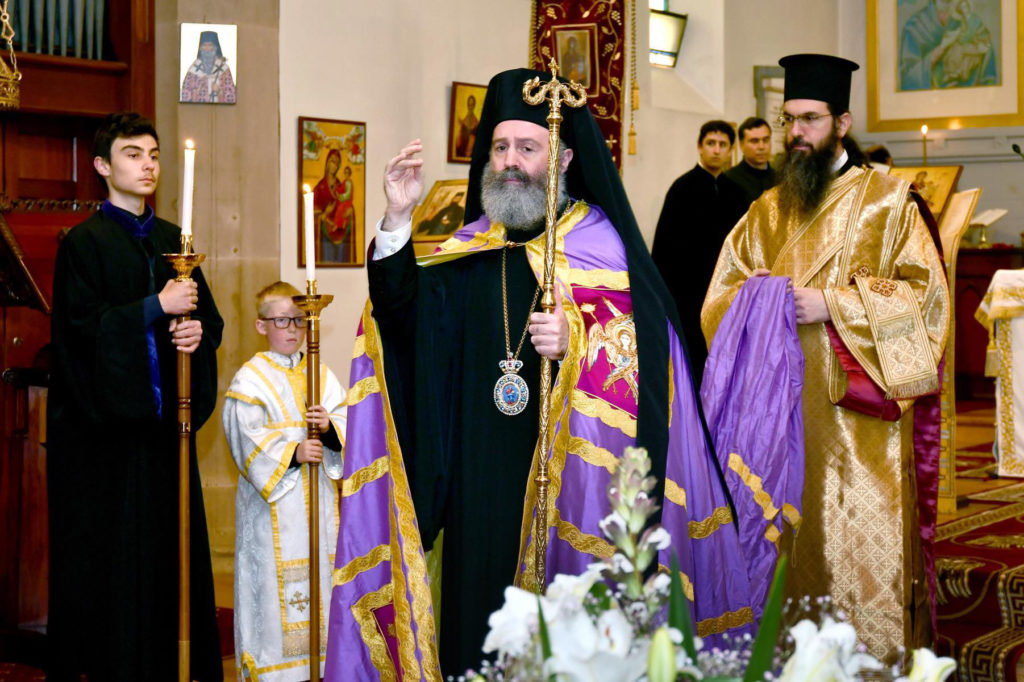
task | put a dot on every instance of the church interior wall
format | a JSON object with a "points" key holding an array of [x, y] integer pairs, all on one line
{"points": [[235, 219]]}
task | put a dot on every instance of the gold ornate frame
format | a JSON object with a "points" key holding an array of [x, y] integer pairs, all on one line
{"points": [[880, 120]]}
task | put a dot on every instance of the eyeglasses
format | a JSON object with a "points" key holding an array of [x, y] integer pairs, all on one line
{"points": [[283, 322], [805, 120]]}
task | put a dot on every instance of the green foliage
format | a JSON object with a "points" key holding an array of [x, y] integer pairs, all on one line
{"points": [[763, 654], [679, 610]]}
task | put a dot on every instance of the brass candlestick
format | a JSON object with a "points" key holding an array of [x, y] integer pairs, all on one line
{"points": [[184, 263], [311, 304], [573, 95]]}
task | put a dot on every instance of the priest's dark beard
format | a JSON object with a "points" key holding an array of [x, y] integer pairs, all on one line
{"points": [[518, 207], [804, 177]]}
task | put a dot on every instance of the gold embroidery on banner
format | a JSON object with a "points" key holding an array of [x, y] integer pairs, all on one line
{"points": [[610, 415], [360, 564], [584, 542], [726, 621], [702, 529], [370, 631], [754, 484], [299, 601], [359, 347], [241, 397], [371, 472], [592, 454], [362, 389], [772, 534], [300, 663], [671, 390], [618, 339], [674, 493]]}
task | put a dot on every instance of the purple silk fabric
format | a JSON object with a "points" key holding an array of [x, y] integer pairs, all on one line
{"points": [[927, 434], [751, 394]]}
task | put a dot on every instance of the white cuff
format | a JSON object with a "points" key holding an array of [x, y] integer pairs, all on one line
{"points": [[388, 243]]}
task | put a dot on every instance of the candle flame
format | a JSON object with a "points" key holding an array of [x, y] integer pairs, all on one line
{"points": [[924, 130], [306, 189], [189, 144]]}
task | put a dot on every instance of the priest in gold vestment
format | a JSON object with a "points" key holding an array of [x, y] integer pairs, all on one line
{"points": [[871, 301]]}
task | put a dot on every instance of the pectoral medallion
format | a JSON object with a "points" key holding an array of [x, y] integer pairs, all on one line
{"points": [[510, 391]]}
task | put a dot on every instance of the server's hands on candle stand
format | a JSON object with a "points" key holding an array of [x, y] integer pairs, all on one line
{"points": [[317, 416], [179, 298], [310, 451], [186, 335]]}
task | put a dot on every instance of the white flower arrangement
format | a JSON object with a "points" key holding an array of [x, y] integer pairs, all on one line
{"points": [[610, 624]]}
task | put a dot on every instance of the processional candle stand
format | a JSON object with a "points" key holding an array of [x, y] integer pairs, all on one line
{"points": [[555, 93], [312, 304], [184, 263]]}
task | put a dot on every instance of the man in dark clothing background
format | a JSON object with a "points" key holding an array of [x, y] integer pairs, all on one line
{"points": [[753, 173], [700, 209]]}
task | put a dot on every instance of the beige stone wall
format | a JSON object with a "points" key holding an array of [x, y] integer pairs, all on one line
{"points": [[236, 211]]}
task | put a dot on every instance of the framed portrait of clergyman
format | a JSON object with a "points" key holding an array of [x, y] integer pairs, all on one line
{"points": [[208, 70], [463, 119]]}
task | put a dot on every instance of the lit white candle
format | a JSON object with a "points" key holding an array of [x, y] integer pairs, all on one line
{"points": [[924, 144], [307, 214], [186, 188]]}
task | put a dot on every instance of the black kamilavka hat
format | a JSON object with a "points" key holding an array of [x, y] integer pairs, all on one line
{"points": [[820, 77], [593, 177]]}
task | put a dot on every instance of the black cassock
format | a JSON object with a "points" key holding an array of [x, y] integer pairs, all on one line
{"points": [[698, 214], [468, 464], [113, 463]]}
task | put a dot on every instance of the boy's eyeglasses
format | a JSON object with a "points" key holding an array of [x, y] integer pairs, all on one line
{"points": [[283, 322]]}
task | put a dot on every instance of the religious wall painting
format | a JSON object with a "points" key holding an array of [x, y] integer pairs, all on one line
{"points": [[439, 215], [208, 67], [332, 161], [463, 120], [588, 40], [945, 63], [934, 183], [575, 46]]}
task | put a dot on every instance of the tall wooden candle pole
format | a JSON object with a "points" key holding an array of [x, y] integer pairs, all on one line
{"points": [[184, 263], [311, 304], [573, 95]]}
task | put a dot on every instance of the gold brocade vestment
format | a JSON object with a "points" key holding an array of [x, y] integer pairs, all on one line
{"points": [[858, 540]]}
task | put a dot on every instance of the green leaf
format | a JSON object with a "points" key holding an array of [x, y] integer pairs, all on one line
{"points": [[602, 595], [763, 653], [679, 610], [545, 640]]}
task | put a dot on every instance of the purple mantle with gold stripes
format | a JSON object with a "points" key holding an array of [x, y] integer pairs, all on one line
{"points": [[381, 617]]}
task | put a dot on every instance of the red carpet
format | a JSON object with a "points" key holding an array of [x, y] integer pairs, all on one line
{"points": [[980, 568]]}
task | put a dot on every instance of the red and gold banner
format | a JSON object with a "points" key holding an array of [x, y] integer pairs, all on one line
{"points": [[587, 39]]}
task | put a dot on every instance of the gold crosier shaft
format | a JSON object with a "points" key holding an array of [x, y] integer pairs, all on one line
{"points": [[573, 95], [311, 304], [184, 263]]}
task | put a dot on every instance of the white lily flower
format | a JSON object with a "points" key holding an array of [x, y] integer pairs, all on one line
{"points": [[930, 668], [614, 633], [826, 654], [512, 625], [573, 588]]}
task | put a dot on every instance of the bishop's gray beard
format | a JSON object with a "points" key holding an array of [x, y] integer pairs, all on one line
{"points": [[804, 177], [207, 59], [518, 207]]}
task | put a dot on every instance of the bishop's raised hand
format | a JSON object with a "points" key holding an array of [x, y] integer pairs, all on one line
{"points": [[403, 185]]}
